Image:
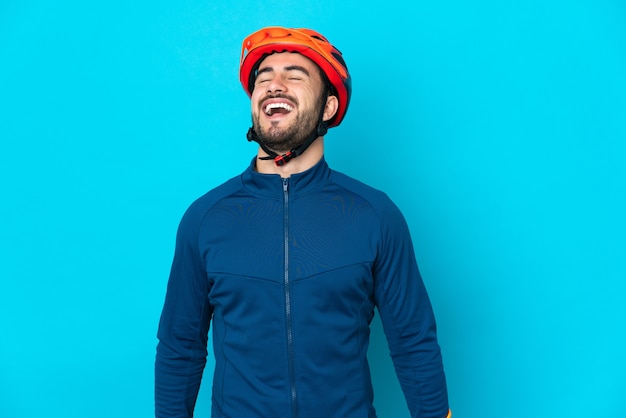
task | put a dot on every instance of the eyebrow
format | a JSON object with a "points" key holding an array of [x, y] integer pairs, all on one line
{"points": [[288, 68], [297, 68]]}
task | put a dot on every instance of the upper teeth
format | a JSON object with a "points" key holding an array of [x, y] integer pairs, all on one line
{"points": [[269, 107]]}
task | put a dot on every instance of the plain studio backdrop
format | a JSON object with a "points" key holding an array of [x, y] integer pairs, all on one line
{"points": [[497, 127]]}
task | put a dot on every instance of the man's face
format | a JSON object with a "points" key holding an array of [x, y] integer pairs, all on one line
{"points": [[287, 100]]}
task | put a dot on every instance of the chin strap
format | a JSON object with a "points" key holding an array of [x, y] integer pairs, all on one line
{"points": [[280, 160], [283, 159]]}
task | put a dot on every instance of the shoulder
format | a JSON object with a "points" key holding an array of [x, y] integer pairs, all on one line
{"points": [[387, 216], [377, 199], [197, 211]]}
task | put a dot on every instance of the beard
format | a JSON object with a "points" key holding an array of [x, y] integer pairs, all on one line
{"points": [[284, 139]]}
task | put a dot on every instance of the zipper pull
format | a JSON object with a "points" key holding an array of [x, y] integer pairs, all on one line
{"points": [[285, 185]]}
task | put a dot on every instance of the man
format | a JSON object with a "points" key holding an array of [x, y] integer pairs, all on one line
{"points": [[289, 260]]}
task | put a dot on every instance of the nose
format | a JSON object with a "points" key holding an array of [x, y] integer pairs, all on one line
{"points": [[276, 85]]}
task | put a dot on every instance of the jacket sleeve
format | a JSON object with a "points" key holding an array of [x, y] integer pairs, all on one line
{"points": [[183, 328], [408, 320]]}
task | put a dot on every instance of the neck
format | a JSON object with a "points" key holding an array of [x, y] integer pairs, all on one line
{"points": [[303, 162]]}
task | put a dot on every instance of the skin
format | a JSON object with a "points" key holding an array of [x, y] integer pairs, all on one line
{"points": [[293, 80]]}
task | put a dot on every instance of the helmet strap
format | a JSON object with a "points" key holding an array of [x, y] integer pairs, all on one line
{"points": [[282, 159]]}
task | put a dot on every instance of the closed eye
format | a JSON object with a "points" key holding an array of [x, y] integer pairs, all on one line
{"points": [[263, 75]]}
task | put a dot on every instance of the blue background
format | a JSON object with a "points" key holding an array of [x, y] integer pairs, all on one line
{"points": [[497, 127]]}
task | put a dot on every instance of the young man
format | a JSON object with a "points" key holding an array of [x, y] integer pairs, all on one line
{"points": [[289, 260]]}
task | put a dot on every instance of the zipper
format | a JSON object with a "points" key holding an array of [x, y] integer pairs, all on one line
{"points": [[287, 286]]}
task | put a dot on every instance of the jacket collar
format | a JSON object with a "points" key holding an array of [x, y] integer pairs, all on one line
{"points": [[272, 184]]}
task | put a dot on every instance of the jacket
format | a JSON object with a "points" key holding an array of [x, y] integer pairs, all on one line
{"points": [[289, 272]]}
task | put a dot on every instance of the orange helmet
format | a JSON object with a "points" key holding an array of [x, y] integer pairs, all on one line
{"points": [[306, 42]]}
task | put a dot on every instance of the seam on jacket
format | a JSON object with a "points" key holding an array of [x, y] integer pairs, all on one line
{"points": [[358, 263]]}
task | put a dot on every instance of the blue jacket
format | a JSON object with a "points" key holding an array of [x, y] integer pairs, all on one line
{"points": [[289, 271]]}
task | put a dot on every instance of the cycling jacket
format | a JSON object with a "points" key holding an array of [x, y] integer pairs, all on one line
{"points": [[289, 272]]}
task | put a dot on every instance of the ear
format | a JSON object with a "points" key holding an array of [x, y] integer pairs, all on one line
{"points": [[332, 104]]}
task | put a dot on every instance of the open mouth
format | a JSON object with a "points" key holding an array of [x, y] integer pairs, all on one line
{"points": [[279, 108]]}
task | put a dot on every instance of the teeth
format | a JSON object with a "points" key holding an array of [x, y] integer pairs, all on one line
{"points": [[272, 106]]}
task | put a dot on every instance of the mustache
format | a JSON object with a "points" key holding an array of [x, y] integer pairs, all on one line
{"points": [[279, 96]]}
